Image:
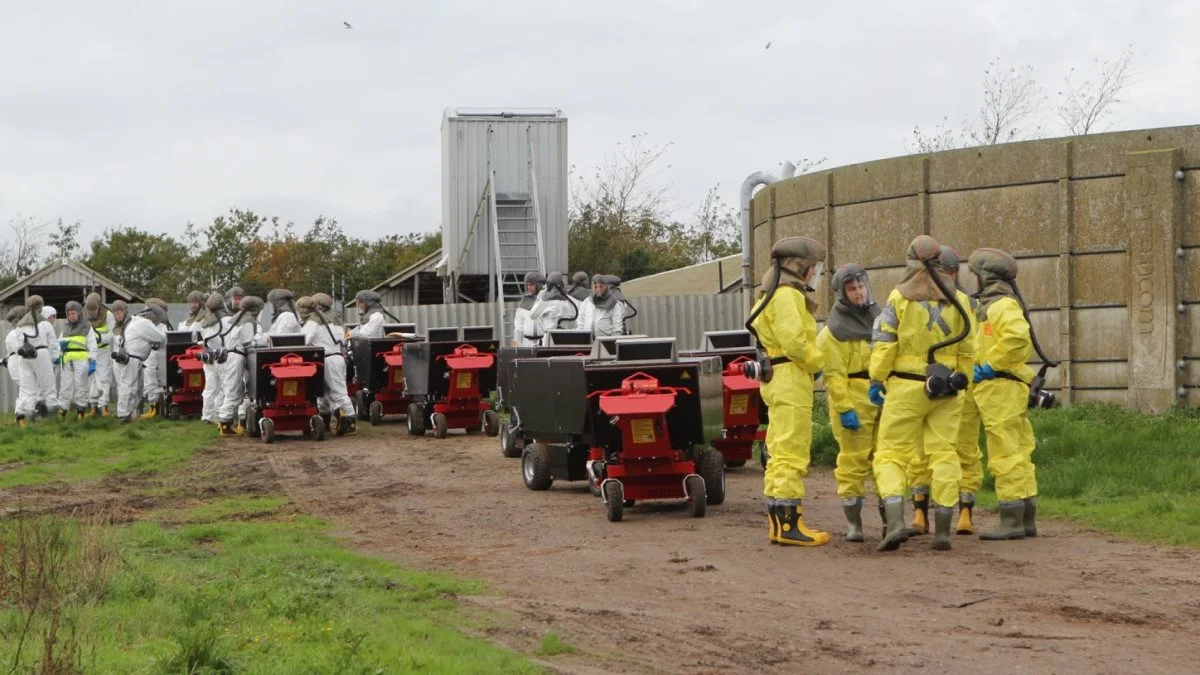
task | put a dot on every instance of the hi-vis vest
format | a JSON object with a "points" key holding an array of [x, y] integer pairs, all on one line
{"points": [[100, 336], [76, 348]]}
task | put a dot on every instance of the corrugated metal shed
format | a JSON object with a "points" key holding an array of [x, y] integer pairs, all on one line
{"points": [[413, 285], [60, 279], [464, 174]]}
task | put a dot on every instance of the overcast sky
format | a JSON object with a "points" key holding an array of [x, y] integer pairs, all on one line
{"points": [[156, 113]]}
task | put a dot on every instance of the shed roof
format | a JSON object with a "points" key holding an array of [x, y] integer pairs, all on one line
{"points": [[423, 265], [67, 272]]}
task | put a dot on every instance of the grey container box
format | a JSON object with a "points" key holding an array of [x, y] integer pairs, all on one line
{"points": [[464, 175]]}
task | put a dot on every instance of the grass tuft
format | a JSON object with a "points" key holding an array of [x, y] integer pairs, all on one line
{"points": [[553, 644]]}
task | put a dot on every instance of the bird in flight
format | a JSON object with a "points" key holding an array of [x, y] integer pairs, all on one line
{"points": [[767, 47], [347, 25]]}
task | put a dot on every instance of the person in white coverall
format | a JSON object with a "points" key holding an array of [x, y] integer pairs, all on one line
{"points": [[370, 315], [154, 374], [525, 332], [12, 360], [78, 344], [211, 325], [321, 330], [135, 339], [601, 312], [238, 337], [283, 305], [195, 310], [101, 321], [553, 308], [37, 383]]}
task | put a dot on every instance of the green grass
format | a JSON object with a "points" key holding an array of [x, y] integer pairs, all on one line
{"points": [[93, 448], [553, 644], [270, 596]]}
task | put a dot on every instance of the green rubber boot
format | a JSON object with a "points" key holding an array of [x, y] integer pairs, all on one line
{"points": [[882, 518], [773, 521], [943, 516], [896, 533], [852, 507], [1012, 523], [1030, 518]]}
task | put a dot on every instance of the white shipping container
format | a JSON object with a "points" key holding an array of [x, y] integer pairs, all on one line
{"points": [[464, 174]]}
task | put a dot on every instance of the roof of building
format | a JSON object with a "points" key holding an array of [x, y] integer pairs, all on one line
{"points": [[707, 278], [425, 264], [67, 272]]}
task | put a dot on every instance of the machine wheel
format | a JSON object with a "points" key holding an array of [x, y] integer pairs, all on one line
{"points": [[734, 463], [535, 467], [173, 412], [614, 501], [508, 442], [266, 428], [491, 423], [439, 425], [376, 412], [317, 424], [696, 496], [710, 464], [360, 403], [416, 420], [252, 426]]}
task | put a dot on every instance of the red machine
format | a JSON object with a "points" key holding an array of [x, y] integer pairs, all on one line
{"points": [[742, 413], [391, 399], [463, 405], [291, 404], [187, 391], [645, 465]]}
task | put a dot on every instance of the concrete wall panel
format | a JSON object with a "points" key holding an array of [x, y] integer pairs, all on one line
{"points": [[1020, 219], [1100, 280], [1102, 396], [995, 165], [762, 252], [1191, 226], [1099, 334], [1114, 375], [760, 211], [875, 233], [802, 193], [1191, 292], [1046, 323], [810, 224], [1098, 207], [1191, 373], [878, 180], [1102, 154], [1191, 322], [1038, 281]]}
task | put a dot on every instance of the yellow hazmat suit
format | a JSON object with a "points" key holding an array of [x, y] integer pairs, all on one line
{"points": [[786, 330], [849, 393], [914, 319]]}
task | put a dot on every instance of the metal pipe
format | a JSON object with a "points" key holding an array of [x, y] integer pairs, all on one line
{"points": [[788, 170], [752, 181]]}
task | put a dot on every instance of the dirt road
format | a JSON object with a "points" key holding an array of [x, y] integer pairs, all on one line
{"points": [[661, 592]]}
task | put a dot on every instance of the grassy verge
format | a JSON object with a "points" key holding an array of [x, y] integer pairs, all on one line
{"points": [[234, 585], [94, 448]]}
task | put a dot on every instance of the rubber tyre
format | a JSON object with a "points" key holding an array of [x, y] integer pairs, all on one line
{"points": [[614, 501], [697, 496], [594, 489], [252, 427], [173, 412], [416, 420], [535, 467], [360, 403], [439, 425], [376, 413], [317, 424], [710, 464], [266, 430], [491, 423], [508, 442], [735, 463]]}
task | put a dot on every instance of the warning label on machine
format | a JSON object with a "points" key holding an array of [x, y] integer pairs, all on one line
{"points": [[643, 430], [463, 380], [290, 388], [738, 404]]}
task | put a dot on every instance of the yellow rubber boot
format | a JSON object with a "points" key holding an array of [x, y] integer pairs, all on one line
{"points": [[22, 422], [151, 413], [920, 521], [966, 508], [793, 531], [104, 412]]}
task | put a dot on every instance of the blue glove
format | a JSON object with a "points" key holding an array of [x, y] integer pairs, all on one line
{"points": [[984, 372], [817, 375], [875, 393], [91, 367], [62, 345], [850, 420], [57, 360]]}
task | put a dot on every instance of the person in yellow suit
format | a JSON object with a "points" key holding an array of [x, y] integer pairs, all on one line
{"points": [[969, 456], [923, 353], [845, 343], [783, 323], [1002, 379]]}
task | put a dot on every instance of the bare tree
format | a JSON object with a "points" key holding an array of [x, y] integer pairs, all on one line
{"points": [[25, 250], [716, 229], [936, 139], [1083, 105], [626, 181], [1011, 97]]}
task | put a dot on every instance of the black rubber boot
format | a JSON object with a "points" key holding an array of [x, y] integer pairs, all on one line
{"points": [[1012, 523], [793, 531], [943, 516], [853, 509], [896, 533], [347, 426], [882, 519], [773, 521], [1030, 518]]}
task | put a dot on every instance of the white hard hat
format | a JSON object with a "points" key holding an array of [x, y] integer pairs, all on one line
{"points": [[48, 311]]}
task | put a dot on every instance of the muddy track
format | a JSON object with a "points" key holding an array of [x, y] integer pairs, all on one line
{"points": [[664, 592], [661, 592]]}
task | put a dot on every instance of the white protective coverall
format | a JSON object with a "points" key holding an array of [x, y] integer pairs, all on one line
{"points": [[329, 337], [233, 372], [102, 333], [137, 339], [80, 350], [603, 320], [546, 313], [371, 328]]}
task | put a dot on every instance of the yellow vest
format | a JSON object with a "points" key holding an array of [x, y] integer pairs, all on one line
{"points": [[76, 348], [99, 335]]}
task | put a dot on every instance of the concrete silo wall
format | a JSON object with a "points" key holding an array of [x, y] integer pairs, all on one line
{"points": [[1106, 228]]}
